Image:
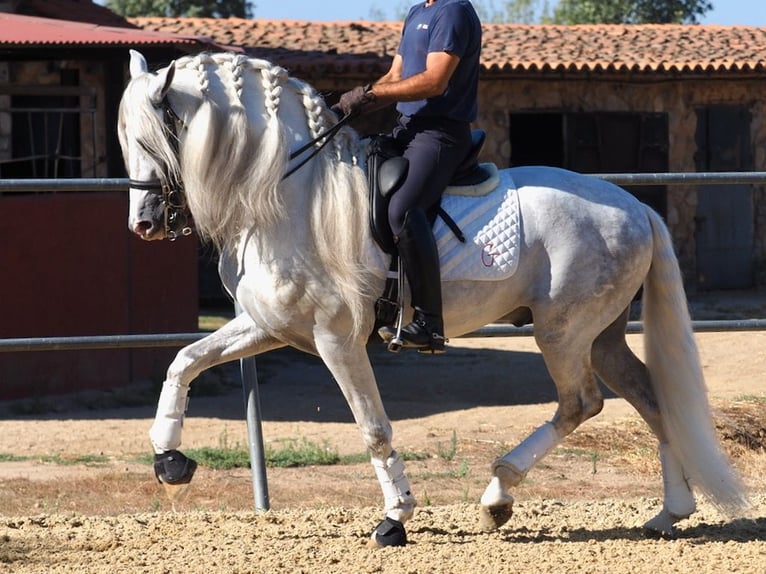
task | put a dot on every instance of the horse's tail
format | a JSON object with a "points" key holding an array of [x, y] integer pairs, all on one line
{"points": [[676, 374]]}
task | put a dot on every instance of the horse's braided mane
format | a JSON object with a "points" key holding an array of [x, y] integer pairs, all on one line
{"points": [[235, 152]]}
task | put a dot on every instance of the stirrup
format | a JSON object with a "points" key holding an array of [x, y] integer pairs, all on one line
{"points": [[397, 339]]}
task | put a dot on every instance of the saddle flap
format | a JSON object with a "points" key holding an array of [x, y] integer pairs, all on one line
{"points": [[391, 174], [383, 181]]}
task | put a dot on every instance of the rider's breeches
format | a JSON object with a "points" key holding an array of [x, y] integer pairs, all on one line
{"points": [[434, 147]]}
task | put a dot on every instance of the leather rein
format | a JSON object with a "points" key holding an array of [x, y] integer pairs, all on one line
{"points": [[176, 208]]}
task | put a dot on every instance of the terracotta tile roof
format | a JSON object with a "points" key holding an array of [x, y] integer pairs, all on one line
{"points": [[26, 31], [366, 47]]}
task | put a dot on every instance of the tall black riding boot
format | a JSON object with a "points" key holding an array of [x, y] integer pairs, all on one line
{"points": [[420, 260]]}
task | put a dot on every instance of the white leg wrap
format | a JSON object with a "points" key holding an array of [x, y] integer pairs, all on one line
{"points": [[522, 458], [400, 504], [495, 494], [165, 433], [679, 498]]}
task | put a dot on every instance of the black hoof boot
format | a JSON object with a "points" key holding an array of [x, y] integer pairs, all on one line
{"points": [[389, 532], [174, 467]]}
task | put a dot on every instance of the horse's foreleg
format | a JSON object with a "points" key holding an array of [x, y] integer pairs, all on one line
{"points": [[351, 368], [239, 338]]}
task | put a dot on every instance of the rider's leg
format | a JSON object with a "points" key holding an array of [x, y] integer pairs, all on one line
{"points": [[420, 260], [433, 149]]}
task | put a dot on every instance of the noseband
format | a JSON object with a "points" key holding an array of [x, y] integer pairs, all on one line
{"points": [[175, 207]]}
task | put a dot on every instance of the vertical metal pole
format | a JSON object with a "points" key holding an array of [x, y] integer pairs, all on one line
{"points": [[255, 433], [253, 417]]}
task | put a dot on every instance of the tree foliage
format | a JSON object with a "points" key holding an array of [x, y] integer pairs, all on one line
{"points": [[592, 11], [630, 11], [190, 8], [515, 11]]}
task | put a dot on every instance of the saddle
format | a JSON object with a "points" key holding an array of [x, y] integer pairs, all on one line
{"points": [[387, 170]]}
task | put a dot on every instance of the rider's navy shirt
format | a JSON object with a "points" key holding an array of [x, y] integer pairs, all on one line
{"points": [[446, 26]]}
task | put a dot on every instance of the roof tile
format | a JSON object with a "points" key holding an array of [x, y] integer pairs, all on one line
{"points": [[367, 47], [18, 30]]}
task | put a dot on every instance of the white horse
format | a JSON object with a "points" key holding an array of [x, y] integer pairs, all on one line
{"points": [[297, 255]]}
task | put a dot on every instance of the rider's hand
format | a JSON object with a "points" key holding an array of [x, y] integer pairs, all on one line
{"points": [[356, 101]]}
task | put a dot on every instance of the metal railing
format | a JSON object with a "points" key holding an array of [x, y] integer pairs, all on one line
{"points": [[248, 366], [675, 178]]}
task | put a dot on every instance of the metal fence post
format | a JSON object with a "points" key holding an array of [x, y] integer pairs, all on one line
{"points": [[249, 375]]}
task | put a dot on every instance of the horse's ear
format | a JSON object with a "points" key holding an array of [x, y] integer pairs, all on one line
{"points": [[161, 83], [138, 64]]}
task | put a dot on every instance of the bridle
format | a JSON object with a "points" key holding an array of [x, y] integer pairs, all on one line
{"points": [[175, 206], [176, 212]]}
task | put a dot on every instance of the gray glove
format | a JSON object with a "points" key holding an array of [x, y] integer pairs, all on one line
{"points": [[356, 101]]}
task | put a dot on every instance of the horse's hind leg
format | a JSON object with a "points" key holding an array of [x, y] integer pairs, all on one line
{"points": [[628, 377], [566, 351]]}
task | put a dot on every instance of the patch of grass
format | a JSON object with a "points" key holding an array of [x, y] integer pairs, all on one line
{"points": [[219, 458], [287, 453], [464, 470], [213, 322], [356, 458], [407, 455], [301, 452], [291, 453], [757, 399], [449, 453], [71, 460], [365, 457], [5, 457]]}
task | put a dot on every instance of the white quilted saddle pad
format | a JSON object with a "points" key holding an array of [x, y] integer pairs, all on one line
{"points": [[491, 225]]}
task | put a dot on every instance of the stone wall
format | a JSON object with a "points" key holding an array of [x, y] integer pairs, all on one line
{"points": [[677, 97]]}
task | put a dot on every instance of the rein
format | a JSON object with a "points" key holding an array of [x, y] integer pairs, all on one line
{"points": [[176, 211], [327, 135]]}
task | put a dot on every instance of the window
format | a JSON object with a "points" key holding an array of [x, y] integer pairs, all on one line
{"points": [[46, 130]]}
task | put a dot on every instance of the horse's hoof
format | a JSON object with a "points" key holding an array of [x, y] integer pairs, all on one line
{"points": [[662, 525], [389, 532], [174, 470], [174, 467], [493, 517]]}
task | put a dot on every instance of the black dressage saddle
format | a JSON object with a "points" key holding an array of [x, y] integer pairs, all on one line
{"points": [[387, 170]]}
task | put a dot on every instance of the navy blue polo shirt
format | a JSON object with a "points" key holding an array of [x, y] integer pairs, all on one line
{"points": [[447, 26]]}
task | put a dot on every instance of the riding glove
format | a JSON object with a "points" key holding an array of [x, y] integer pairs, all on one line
{"points": [[356, 101]]}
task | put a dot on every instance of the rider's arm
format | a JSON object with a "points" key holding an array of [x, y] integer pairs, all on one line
{"points": [[429, 83]]}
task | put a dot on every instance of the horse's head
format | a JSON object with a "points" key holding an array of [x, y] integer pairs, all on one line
{"points": [[148, 133]]}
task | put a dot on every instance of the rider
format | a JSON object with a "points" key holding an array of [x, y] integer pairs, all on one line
{"points": [[434, 80]]}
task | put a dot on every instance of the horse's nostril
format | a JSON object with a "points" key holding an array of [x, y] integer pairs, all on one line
{"points": [[141, 227]]}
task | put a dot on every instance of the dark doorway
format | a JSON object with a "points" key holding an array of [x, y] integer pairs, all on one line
{"points": [[724, 220], [597, 142]]}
